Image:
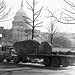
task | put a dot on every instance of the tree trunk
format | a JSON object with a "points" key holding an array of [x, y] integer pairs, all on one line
{"points": [[32, 33], [33, 26], [51, 38]]}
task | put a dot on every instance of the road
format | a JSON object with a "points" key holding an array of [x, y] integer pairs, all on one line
{"points": [[34, 69]]}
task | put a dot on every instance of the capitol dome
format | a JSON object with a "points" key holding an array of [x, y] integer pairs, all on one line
{"points": [[19, 14]]}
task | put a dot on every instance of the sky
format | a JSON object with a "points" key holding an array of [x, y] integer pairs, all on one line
{"points": [[52, 5]]}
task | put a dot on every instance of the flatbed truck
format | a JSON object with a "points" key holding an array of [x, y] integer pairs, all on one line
{"points": [[31, 51]]}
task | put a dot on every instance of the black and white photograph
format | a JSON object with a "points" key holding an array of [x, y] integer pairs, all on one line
{"points": [[37, 37]]}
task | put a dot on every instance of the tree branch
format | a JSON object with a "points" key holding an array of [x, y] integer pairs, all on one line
{"points": [[73, 8], [48, 28], [69, 16], [27, 18], [28, 23], [36, 2], [38, 11], [2, 6], [29, 8], [52, 15], [29, 4], [69, 3], [38, 23], [38, 14], [5, 20], [68, 11], [5, 15]]}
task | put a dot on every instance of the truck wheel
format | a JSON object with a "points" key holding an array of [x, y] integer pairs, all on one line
{"points": [[46, 61], [24, 60], [55, 62], [16, 59], [8, 60], [1, 58], [71, 62], [65, 62]]}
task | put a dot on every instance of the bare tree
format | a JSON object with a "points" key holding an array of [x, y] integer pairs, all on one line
{"points": [[67, 16], [52, 30], [3, 13], [35, 15]]}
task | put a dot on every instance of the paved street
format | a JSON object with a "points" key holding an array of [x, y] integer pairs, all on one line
{"points": [[34, 69]]}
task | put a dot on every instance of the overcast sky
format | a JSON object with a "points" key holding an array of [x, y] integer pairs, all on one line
{"points": [[53, 5]]}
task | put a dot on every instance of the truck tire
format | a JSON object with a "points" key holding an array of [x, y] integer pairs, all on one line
{"points": [[55, 62], [65, 62], [16, 59], [24, 60], [71, 62], [46, 61], [8, 60], [1, 58]]}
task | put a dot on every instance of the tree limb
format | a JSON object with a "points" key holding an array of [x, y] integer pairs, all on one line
{"points": [[38, 11], [38, 23], [52, 15], [28, 23], [28, 4], [36, 2], [38, 14], [5, 15], [68, 11], [69, 3]]}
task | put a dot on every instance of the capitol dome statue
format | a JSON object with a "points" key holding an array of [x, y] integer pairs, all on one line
{"points": [[19, 25]]}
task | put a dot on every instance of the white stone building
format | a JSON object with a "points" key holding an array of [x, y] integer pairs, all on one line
{"points": [[20, 28]]}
